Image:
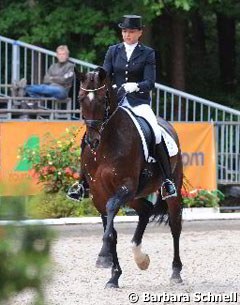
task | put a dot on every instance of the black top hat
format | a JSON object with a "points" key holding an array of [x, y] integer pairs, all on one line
{"points": [[131, 22]]}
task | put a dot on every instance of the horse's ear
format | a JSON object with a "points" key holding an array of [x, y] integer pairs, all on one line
{"points": [[79, 75], [82, 77], [102, 73]]}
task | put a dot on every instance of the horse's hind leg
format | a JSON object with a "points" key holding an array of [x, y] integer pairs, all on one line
{"points": [[142, 259], [175, 221]]}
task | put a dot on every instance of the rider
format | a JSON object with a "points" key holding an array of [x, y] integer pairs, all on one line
{"points": [[132, 66]]}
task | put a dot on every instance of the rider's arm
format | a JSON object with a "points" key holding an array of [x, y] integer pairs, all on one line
{"points": [[149, 74]]}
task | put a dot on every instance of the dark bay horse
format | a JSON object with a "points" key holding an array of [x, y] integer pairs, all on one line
{"points": [[113, 163]]}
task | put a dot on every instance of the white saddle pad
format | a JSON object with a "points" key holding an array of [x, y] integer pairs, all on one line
{"points": [[170, 143]]}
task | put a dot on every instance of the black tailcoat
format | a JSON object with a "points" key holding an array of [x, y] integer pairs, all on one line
{"points": [[141, 68]]}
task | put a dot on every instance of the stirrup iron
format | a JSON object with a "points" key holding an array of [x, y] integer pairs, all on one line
{"points": [[164, 193], [76, 192]]}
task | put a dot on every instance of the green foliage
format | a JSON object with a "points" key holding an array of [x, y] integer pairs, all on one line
{"points": [[56, 165], [227, 7], [56, 162], [178, 5], [24, 258], [201, 198], [89, 27], [86, 208], [12, 207], [57, 205], [50, 24], [105, 37]]}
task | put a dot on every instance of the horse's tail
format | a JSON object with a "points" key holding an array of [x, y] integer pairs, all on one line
{"points": [[159, 212]]}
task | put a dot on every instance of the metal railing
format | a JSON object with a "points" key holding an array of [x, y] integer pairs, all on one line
{"points": [[19, 59], [178, 106], [228, 152], [36, 108], [22, 60]]}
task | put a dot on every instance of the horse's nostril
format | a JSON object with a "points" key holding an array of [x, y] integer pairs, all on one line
{"points": [[95, 143], [89, 139]]}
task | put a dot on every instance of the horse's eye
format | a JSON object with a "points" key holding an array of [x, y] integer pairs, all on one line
{"points": [[82, 94]]}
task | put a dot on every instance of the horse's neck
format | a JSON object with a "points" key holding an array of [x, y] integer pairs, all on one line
{"points": [[119, 130]]}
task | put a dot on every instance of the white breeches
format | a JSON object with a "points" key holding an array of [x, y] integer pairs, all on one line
{"points": [[145, 111]]}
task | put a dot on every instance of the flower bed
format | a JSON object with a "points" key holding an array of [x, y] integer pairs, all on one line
{"points": [[201, 198], [56, 163]]}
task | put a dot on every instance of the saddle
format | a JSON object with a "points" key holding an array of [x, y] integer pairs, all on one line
{"points": [[146, 134]]}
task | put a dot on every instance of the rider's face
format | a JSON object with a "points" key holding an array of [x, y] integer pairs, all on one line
{"points": [[131, 36]]}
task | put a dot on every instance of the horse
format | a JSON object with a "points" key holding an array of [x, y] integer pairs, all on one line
{"points": [[113, 163]]}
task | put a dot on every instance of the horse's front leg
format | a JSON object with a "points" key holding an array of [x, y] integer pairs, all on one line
{"points": [[116, 269], [108, 254], [175, 221]]}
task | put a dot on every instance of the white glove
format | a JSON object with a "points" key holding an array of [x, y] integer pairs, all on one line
{"points": [[130, 87]]}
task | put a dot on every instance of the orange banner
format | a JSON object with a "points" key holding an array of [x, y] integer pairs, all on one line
{"points": [[197, 142], [198, 154]]}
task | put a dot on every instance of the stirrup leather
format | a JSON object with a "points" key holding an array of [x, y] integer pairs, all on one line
{"points": [[164, 192]]}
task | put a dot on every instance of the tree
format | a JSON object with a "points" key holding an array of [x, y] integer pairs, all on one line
{"points": [[226, 27], [176, 9], [195, 40]]}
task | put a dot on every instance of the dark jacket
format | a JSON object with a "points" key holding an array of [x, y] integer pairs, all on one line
{"points": [[141, 68], [60, 74]]}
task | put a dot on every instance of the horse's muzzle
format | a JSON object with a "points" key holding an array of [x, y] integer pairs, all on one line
{"points": [[92, 142]]}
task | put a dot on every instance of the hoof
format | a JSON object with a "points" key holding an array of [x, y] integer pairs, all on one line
{"points": [[104, 262], [111, 285], [176, 279], [143, 264]]}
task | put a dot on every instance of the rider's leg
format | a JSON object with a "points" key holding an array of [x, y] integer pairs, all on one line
{"points": [[163, 160], [162, 155]]}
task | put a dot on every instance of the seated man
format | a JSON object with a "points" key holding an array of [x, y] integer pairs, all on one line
{"points": [[58, 79]]}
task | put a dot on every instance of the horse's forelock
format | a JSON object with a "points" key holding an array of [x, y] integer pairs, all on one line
{"points": [[102, 74], [92, 75]]}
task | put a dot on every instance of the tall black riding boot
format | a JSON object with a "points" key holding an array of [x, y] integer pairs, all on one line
{"points": [[168, 188]]}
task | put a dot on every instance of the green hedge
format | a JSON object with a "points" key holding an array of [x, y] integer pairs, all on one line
{"points": [[57, 205]]}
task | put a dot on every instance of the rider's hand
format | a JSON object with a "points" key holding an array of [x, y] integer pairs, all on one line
{"points": [[131, 87]]}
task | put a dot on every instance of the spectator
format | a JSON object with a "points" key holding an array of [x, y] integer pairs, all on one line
{"points": [[58, 79]]}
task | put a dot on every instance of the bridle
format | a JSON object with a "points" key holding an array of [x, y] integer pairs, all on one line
{"points": [[98, 125], [95, 124], [93, 90]]}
